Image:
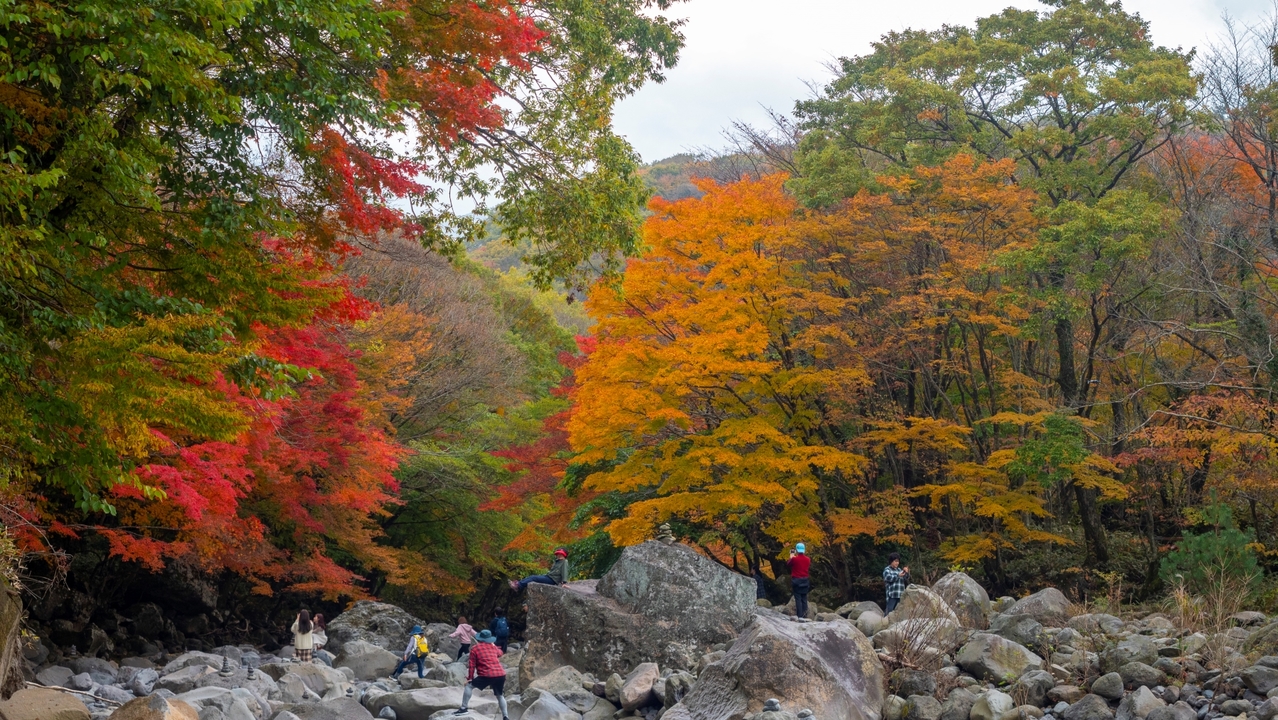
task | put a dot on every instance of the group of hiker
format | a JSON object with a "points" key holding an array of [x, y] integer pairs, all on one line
{"points": [[485, 647]]}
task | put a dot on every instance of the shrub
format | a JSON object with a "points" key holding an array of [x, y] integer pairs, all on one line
{"points": [[1223, 553]]}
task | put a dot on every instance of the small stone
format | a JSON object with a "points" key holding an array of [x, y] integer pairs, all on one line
{"points": [[1235, 707], [1108, 686], [805, 713], [771, 704], [923, 707], [1090, 707]]}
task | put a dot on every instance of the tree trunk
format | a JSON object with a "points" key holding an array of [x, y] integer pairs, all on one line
{"points": [[1089, 514]]}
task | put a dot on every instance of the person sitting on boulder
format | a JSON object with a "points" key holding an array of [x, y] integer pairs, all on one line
{"points": [[320, 632], [466, 634], [558, 574], [303, 638], [895, 580], [485, 672], [500, 628], [416, 652], [800, 585]]}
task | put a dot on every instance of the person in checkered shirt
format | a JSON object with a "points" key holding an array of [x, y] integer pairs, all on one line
{"points": [[895, 579], [485, 672]]}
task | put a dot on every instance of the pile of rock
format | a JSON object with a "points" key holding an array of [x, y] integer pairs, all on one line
{"points": [[667, 633]]}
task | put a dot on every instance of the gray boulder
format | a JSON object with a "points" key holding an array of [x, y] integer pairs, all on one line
{"points": [[1096, 623], [382, 624], [1091, 707], [1048, 606], [1267, 710], [1109, 686], [1033, 686], [990, 657], [1260, 679], [1235, 707], [636, 690], [853, 610], [335, 709], [182, 680], [828, 667], [922, 707], [958, 705], [421, 704], [1137, 648], [372, 664], [920, 602], [894, 708], [1021, 629], [102, 671], [992, 705], [1138, 674], [907, 681], [966, 598], [54, 676], [659, 603], [1139, 704]]}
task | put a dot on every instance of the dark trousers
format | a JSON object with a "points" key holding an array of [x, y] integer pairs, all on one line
{"points": [[421, 666], [463, 650], [543, 579], [502, 642], [801, 586], [892, 603]]}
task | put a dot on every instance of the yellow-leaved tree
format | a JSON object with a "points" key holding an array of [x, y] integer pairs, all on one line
{"points": [[706, 394]]}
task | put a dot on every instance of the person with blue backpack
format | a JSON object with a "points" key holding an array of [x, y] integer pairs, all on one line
{"points": [[500, 628]]}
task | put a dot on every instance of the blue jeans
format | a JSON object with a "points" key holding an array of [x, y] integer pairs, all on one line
{"points": [[421, 666], [892, 602], [543, 579]]}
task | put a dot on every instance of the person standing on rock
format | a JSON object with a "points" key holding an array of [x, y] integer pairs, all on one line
{"points": [[799, 564], [895, 580], [558, 574], [500, 628], [466, 634], [485, 672], [303, 637], [414, 653]]}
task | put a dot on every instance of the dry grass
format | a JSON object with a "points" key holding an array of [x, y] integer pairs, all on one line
{"points": [[1208, 612]]}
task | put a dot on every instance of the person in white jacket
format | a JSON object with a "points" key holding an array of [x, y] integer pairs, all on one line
{"points": [[303, 637]]}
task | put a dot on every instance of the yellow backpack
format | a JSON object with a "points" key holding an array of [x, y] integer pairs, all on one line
{"points": [[423, 647]]}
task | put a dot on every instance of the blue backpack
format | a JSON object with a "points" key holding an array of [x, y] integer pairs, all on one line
{"points": [[500, 627]]}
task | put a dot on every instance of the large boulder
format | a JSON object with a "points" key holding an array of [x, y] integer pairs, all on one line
{"points": [[828, 667], [335, 709], [375, 663], [11, 660], [1021, 629], [155, 707], [382, 624], [990, 657], [42, 704], [1049, 606], [1137, 648], [659, 603], [919, 602], [966, 598], [421, 704], [1096, 623]]}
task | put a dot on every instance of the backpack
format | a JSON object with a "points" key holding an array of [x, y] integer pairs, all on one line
{"points": [[500, 627], [423, 647]]}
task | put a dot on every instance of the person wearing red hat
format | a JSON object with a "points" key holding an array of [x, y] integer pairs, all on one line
{"points": [[558, 574]]}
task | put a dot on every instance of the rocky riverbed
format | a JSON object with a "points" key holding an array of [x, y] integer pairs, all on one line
{"points": [[667, 633]]}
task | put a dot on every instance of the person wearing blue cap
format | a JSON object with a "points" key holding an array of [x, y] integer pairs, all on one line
{"points": [[416, 652], [485, 672], [799, 564]]}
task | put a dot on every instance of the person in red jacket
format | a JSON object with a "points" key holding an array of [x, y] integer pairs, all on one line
{"points": [[485, 672], [799, 563]]}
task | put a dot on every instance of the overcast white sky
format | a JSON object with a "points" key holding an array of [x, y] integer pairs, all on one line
{"points": [[743, 55]]}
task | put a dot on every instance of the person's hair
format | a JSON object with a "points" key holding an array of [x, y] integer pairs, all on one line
{"points": [[304, 622], [319, 621], [461, 619], [500, 612], [893, 556]]}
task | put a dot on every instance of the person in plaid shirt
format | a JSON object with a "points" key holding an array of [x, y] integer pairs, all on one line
{"points": [[895, 579], [485, 672]]}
